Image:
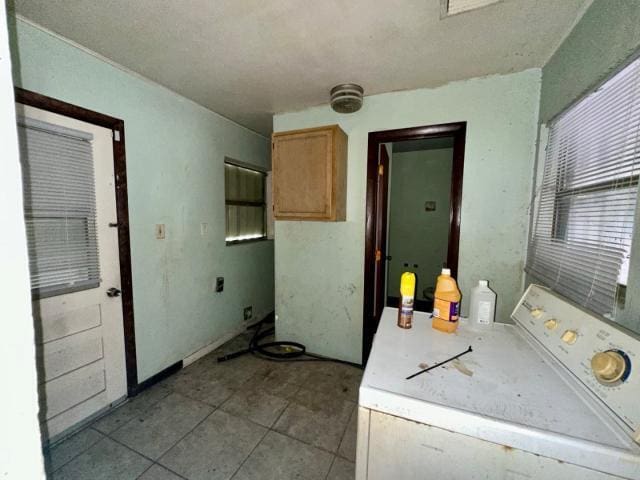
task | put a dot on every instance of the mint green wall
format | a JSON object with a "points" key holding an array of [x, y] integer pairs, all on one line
{"points": [[320, 266], [416, 236], [175, 153], [604, 38]]}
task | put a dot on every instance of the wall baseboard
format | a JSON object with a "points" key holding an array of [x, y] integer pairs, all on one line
{"points": [[210, 347], [152, 380]]}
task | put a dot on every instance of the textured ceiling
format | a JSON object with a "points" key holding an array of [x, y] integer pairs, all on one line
{"points": [[248, 59]]}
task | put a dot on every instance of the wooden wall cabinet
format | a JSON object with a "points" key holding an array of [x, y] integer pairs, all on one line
{"points": [[310, 174]]}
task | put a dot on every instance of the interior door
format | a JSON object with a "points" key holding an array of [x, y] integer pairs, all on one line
{"points": [[79, 334], [381, 233]]}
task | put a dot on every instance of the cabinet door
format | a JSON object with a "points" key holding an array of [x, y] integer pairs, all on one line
{"points": [[303, 175]]}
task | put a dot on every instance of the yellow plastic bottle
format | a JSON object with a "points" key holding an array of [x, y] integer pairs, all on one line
{"points": [[446, 304], [407, 293]]}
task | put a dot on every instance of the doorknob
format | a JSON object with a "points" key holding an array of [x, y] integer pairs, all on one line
{"points": [[113, 292]]}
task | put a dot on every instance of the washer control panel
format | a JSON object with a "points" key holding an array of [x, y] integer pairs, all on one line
{"points": [[603, 356]]}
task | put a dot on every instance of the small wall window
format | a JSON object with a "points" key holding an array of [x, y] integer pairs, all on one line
{"points": [[59, 207], [581, 242], [245, 203]]}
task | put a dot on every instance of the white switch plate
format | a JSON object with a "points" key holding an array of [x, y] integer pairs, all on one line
{"points": [[204, 228], [160, 231]]}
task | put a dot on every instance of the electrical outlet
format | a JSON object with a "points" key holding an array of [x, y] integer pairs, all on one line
{"points": [[219, 286], [248, 313], [160, 231]]}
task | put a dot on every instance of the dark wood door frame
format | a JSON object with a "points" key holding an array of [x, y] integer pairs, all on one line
{"points": [[376, 208], [116, 125]]}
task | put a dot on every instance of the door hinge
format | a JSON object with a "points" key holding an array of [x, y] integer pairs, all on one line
{"points": [[381, 169], [378, 255], [116, 135]]}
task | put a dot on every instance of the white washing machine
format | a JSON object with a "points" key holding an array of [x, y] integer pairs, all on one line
{"points": [[557, 395]]}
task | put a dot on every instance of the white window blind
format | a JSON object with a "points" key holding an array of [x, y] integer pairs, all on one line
{"points": [[581, 240], [60, 207], [245, 203]]}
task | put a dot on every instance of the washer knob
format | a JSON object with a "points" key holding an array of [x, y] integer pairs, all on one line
{"points": [[536, 312], [609, 366], [569, 337], [551, 324]]}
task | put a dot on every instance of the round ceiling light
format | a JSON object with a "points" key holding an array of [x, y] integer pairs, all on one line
{"points": [[346, 97]]}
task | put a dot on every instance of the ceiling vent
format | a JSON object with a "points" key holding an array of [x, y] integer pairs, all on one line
{"points": [[346, 97], [453, 7]]}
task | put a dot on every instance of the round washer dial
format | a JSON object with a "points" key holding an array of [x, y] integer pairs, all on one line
{"points": [[611, 366]]}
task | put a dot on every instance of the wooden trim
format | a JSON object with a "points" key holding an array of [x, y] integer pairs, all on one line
{"points": [[43, 102], [376, 210], [248, 240], [158, 377], [244, 203], [303, 131]]}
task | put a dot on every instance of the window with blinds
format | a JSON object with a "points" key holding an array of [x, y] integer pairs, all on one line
{"points": [[581, 241], [60, 207], [245, 203]]}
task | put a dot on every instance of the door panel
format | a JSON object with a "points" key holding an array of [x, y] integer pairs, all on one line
{"points": [[68, 322], [62, 356], [381, 239], [71, 390], [80, 335]]}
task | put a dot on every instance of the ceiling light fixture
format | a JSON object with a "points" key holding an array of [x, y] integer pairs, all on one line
{"points": [[346, 97]]}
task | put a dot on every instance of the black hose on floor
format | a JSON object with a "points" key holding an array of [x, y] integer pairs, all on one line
{"points": [[278, 351]]}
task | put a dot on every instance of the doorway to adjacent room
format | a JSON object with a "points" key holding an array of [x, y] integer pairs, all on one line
{"points": [[414, 192]]}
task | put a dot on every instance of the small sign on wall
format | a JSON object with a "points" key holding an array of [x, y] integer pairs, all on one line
{"points": [[429, 206]]}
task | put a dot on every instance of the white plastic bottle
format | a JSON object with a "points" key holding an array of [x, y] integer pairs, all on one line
{"points": [[483, 303]]}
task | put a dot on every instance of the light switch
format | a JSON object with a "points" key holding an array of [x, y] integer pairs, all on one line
{"points": [[204, 228], [160, 231]]}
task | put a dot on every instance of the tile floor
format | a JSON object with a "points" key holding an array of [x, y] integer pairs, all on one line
{"points": [[245, 419]]}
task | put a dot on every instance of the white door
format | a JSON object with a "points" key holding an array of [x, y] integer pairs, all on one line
{"points": [[79, 332]]}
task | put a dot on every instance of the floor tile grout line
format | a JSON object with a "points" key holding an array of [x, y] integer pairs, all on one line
{"points": [[330, 467], [109, 435], [151, 405], [311, 444], [322, 449], [88, 427], [129, 448], [289, 400], [344, 433], [91, 426], [173, 445], [250, 453], [145, 471], [185, 435], [272, 429], [170, 470], [153, 462]]}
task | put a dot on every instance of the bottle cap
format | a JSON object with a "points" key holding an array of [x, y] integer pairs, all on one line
{"points": [[483, 283], [446, 271]]}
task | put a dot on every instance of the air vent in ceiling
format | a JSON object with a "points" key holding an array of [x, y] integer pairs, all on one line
{"points": [[453, 7]]}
